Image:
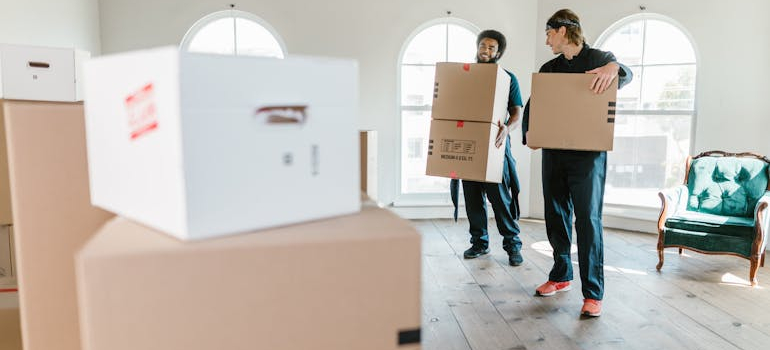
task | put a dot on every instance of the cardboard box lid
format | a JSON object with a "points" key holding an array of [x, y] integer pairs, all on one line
{"points": [[565, 114]]}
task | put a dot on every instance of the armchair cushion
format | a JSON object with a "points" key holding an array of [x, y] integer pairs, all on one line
{"points": [[708, 242], [727, 186], [709, 223]]}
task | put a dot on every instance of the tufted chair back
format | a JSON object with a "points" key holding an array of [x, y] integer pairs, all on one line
{"points": [[726, 184]]}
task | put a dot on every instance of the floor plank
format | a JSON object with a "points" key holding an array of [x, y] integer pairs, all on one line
{"points": [[697, 302]]}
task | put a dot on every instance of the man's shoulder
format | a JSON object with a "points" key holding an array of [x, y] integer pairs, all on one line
{"points": [[548, 66], [599, 54]]}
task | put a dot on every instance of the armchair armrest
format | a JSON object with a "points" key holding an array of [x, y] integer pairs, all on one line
{"points": [[673, 200], [762, 219]]}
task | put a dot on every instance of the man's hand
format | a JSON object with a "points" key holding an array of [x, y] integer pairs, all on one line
{"points": [[604, 77], [502, 133], [530, 147]]}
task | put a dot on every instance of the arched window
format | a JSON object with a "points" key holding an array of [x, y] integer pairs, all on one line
{"points": [[656, 111], [441, 40], [234, 32]]}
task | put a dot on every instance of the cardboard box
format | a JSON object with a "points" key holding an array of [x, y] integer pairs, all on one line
{"points": [[53, 216], [369, 170], [6, 257], [351, 282], [201, 145], [465, 150], [565, 114], [475, 92], [41, 73], [10, 328], [6, 214]]}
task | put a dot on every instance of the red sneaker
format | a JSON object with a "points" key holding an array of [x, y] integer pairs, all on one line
{"points": [[550, 288], [592, 308]]}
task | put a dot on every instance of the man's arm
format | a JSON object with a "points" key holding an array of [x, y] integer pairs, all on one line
{"points": [[610, 70], [514, 111], [505, 128], [604, 77]]}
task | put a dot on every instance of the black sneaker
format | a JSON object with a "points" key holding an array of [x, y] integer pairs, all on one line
{"points": [[475, 251], [515, 258]]}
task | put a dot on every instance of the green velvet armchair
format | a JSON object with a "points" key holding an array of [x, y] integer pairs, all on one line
{"points": [[722, 208]]}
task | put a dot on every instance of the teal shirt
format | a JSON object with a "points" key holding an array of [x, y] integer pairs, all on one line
{"points": [[514, 95]]}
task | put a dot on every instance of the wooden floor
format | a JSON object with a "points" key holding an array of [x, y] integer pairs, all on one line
{"points": [[696, 301]]}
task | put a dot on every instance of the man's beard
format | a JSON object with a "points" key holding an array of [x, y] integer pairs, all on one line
{"points": [[491, 60]]}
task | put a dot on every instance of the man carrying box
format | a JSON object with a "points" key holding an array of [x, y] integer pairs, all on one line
{"points": [[574, 180], [504, 196]]}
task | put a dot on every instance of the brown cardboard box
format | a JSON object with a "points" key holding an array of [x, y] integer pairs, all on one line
{"points": [[53, 216], [464, 150], [6, 257], [10, 329], [565, 114], [368, 140], [351, 282], [471, 92], [6, 216]]}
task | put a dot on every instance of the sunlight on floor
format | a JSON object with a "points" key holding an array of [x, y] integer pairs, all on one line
{"points": [[543, 247], [729, 279]]}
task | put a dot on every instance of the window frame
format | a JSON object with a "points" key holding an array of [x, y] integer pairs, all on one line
{"points": [[430, 198], [234, 14], [614, 28]]}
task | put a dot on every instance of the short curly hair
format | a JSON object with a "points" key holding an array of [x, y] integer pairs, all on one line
{"points": [[495, 35]]}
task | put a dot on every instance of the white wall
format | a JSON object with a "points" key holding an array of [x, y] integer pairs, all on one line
{"points": [[372, 32], [57, 23], [732, 92], [731, 42]]}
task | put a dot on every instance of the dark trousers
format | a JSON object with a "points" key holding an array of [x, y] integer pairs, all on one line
{"points": [[573, 181], [504, 198]]}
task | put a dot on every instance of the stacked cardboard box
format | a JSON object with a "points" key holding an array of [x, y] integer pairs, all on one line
{"points": [[468, 103], [35, 74], [200, 147], [566, 114], [351, 282], [53, 216], [44, 164]]}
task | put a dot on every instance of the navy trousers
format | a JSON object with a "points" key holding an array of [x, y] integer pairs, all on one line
{"points": [[573, 181], [504, 198]]}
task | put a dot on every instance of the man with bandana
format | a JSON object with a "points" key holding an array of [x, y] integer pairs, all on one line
{"points": [[504, 196], [573, 181]]}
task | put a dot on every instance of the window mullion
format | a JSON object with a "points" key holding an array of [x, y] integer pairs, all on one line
{"points": [[235, 37]]}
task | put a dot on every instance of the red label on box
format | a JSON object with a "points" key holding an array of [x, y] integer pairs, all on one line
{"points": [[467, 67], [460, 123], [453, 174], [141, 110]]}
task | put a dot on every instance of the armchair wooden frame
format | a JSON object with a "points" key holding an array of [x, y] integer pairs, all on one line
{"points": [[757, 257]]}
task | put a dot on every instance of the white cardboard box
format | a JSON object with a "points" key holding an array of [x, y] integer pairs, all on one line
{"points": [[41, 73], [201, 145]]}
